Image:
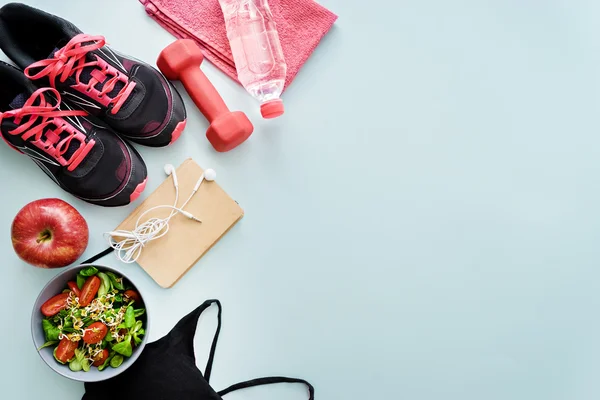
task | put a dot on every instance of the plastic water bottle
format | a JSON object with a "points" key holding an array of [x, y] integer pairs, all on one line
{"points": [[256, 51]]}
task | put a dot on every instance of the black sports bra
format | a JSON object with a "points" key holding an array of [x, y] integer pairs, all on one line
{"points": [[166, 369]]}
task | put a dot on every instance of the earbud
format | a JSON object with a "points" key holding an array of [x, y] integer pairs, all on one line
{"points": [[210, 174], [170, 170]]}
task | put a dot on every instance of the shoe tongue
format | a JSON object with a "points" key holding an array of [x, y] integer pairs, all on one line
{"points": [[86, 75]]}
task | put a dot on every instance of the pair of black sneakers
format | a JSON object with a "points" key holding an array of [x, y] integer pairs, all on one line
{"points": [[73, 103]]}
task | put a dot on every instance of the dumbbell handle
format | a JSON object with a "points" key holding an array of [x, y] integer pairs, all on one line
{"points": [[203, 93]]}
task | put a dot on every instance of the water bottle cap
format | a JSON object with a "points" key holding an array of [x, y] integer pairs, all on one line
{"points": [[272, 109]]}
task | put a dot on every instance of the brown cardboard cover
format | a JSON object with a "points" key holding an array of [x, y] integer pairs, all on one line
{"points": [[167, 259]]}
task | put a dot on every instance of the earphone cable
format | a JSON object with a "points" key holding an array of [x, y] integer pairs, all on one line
{"points": [[129, 248]]}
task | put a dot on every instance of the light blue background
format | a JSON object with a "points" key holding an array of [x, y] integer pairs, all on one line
{"points": [[422, 223]]}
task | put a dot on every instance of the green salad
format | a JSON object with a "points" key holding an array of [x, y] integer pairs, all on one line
{"points": [[96, 321]]}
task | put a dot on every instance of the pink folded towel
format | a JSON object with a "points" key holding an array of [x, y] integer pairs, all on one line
{"points": [[301, 25]]}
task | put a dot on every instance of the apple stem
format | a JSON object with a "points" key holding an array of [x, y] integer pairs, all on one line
{"points": [[44, 236]]}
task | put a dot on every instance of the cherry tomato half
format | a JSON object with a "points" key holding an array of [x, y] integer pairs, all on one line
{"points": [[95, 333], [73, 286], [133, 295], [100, 358], [65, 350], [89, 291], [55, 305]]}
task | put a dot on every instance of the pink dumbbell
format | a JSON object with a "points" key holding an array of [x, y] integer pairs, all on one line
{"points": [[181, 61]]}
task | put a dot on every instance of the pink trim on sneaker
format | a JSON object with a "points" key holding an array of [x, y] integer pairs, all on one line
{"points": [[138, 190], [177, 132]]}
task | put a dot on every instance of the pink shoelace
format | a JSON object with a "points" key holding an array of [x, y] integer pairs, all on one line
{"points": [[71, 60], [42, 135]]}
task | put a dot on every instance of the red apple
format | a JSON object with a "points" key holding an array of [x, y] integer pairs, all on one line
{"points": [[49, 233]]}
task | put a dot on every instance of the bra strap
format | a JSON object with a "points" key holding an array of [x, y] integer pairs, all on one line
{"points": [[250, 383], [268, 381], [181, 337], [213, 347]]}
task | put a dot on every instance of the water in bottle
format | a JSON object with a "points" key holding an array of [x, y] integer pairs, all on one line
{"points": [[256, 51]]}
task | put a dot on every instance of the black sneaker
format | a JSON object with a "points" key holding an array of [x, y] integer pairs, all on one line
{"points": [[80, 153], [132, 97]]}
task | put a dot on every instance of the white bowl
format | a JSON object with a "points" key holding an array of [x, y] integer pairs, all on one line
{"points": [[56, 286]]}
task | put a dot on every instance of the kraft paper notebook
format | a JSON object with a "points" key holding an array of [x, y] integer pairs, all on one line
{"points": [[167, 259]]}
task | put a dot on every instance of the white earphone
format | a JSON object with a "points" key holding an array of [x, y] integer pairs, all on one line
{"points": [[129, 248], [170, 170]]}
